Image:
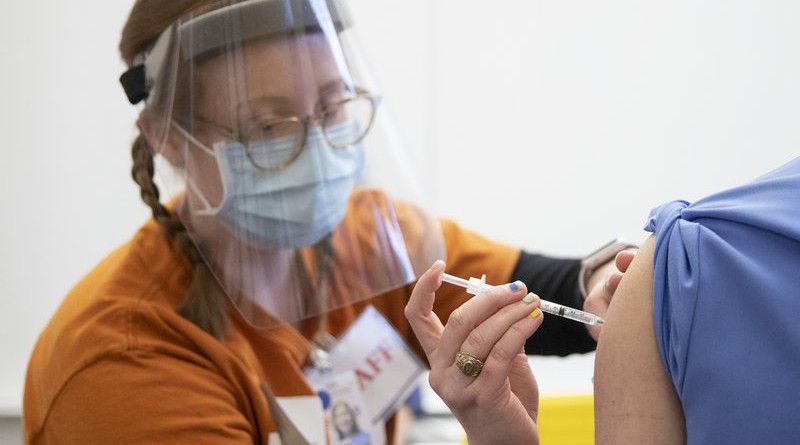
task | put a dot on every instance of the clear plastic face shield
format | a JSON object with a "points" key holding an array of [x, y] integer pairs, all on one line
{"points": [[291, 184]]}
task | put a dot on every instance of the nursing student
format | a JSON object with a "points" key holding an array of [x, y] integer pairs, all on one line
{"points": [[286, 226]]}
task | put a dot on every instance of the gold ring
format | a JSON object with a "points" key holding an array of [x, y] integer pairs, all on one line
{"points": [[470, 365]]}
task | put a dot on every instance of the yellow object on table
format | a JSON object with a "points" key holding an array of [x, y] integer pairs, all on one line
{"points": [[566, 420]]}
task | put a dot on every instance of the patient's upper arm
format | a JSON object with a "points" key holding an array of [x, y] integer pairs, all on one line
{"points": [[635, 401]]}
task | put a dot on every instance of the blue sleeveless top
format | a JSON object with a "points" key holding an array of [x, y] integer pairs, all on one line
{"points": [[727, 309]]}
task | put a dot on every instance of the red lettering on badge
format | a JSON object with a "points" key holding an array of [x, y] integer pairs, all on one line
{"points": [[374, 361], [363, 378], [386, 350]]}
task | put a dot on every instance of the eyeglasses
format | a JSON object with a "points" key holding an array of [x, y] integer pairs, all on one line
{"points": [[355, 108]]}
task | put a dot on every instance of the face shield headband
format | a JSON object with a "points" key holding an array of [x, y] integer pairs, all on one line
{"points": [[258, 18]]}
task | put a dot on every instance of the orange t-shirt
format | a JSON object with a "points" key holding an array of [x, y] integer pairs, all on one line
{"points": [[117, 364]]}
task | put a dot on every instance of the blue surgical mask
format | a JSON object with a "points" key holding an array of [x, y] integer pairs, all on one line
{"points": [[293, 207]]}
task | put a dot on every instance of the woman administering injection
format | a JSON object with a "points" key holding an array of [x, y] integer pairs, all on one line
{"points": [[478, 364]]}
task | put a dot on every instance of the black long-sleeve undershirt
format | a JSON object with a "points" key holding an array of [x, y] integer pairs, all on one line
{"points": [[556, 280]]}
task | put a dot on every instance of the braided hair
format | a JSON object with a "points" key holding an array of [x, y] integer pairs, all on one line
{"points": [[204, 304]]}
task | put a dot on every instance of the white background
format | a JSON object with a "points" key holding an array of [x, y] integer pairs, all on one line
{"points": [[554, 125]]}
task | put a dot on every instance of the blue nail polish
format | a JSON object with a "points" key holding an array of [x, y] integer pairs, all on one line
{"points": [[514, 287]]}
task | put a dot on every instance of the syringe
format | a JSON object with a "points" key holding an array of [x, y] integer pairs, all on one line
{"points": [[475, 286]]}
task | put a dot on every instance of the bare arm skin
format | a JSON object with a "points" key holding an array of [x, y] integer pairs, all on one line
{"points": [[635, 401]]}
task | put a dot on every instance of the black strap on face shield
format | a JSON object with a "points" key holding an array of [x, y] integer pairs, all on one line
{"points": [[134, 83]]}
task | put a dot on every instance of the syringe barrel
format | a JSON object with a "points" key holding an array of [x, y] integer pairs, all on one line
{"points": [[568, 312], [475, 286]]}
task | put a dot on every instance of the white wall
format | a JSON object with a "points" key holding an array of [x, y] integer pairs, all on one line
{"points": [[67, 198], [553, 125], [568, 120]]}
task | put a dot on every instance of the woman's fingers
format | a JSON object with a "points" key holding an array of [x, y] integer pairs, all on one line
{"points": [[471, 314], [599, 299], [624, 259], [482, 339], [502, 355], [419, 310], [523, 384], [612, 283]]}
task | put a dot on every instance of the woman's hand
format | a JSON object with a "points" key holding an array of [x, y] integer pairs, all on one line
{"points": [[603, 285], [500, 405]]}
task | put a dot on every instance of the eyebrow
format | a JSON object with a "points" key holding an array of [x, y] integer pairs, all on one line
{"points": [[284, 103], [330, 86]]}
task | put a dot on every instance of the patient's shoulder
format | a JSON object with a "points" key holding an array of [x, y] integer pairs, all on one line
{"points": [[724, 249], [723, 294], [634, 398]]}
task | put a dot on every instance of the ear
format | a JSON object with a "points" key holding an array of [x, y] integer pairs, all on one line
{"points": [[163, 138]]}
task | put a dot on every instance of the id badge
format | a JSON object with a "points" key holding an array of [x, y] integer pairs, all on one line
{"points": [[383, 365], [346, 417]]}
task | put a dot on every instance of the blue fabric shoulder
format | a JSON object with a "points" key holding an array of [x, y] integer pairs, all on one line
{"points": [[726, 301]]}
